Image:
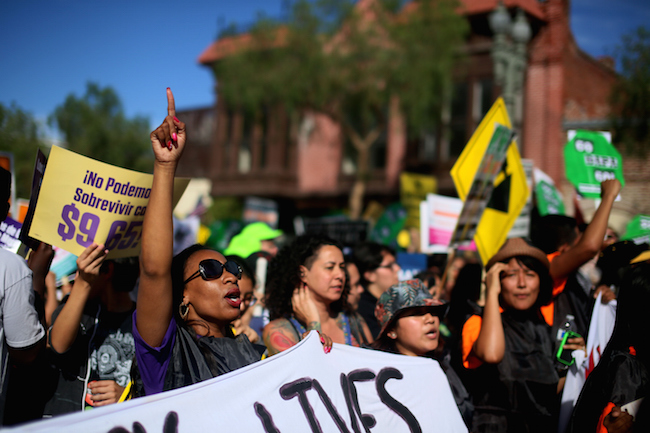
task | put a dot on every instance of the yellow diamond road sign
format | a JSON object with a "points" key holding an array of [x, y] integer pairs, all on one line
{"points": [[510, 188]]}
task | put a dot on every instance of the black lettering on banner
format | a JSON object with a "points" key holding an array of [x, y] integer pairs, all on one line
{"points": [[299, 388], [362, 375], [392, 373], [330, 407], [170, 426], [266, 418]]}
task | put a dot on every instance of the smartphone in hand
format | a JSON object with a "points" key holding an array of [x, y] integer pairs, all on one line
{"points": [[563, 355]]}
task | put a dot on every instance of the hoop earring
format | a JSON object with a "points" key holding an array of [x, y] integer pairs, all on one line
{"points": [[183, 310]]}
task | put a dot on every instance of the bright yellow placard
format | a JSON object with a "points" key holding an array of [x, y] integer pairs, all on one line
{"points": [[414, 188], [495, 224], [83, 200]]}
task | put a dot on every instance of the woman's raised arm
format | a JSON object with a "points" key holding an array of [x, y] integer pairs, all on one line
{"points": [[155, 290], [490, 344]]}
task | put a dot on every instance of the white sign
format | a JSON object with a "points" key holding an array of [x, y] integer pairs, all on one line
{"points": [[303, 389], [438, 218]]}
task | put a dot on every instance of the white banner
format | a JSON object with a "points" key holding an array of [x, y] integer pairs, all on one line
{"points": [[299, 390], [601, 327]]}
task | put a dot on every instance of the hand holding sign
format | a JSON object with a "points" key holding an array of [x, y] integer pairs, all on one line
{"points": [[168, 140]]}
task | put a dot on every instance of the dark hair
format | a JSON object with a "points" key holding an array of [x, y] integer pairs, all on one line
{"points": [[466, 288], [545, 279], [368, 257], [283, 274], [428, 276], [245, 267], [126, 271], [179, 263], [632, 306], [550, 232]]}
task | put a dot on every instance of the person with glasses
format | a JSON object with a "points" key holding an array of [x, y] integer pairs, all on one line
{"points": [[306, 289], [185, 303], [378, 271]]}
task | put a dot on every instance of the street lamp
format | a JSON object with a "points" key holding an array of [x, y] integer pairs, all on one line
{"points": [[509, 53]]}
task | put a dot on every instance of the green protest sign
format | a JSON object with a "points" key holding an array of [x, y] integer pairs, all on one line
{"points": [[549, 199], [638, 229], [589, 159]]}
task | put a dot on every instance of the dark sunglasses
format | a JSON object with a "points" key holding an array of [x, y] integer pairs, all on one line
{"points": [[210, 269]]}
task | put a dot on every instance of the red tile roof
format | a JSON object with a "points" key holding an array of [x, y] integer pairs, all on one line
{"points": [[228, 45]]}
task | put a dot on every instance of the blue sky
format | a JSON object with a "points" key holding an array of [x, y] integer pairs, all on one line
{"points": [[52, 48]]}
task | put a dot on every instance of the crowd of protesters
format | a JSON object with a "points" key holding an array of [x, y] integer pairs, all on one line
{"points": [[493, 330]]}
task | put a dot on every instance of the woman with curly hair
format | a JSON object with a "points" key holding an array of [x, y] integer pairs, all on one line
{"points": [[306, 289]]}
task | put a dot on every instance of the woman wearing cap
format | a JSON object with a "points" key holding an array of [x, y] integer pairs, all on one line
{"points": [[306, 289], [185, 304], [509, 349], [410, 319]]}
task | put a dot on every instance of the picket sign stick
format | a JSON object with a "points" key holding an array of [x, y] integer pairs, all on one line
{"points": [[451, 255]]}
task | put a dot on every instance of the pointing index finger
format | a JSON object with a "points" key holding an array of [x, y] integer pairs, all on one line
{"points": [[171, 107]]}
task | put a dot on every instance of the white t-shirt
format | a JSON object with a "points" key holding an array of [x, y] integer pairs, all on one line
{"points": [[19, 324]]}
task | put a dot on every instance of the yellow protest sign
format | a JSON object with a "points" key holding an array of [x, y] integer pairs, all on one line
{"points": [[82, 201], [413, 190], [510, 188]]}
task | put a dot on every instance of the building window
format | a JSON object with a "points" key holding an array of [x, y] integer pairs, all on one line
{"points": [[349, 160], [262, 129], [230, 137], [378, 151], [244, 158], [487, 98], [458, 121]]}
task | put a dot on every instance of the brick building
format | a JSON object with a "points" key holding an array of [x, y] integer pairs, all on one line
{"points": [[311, 171]]}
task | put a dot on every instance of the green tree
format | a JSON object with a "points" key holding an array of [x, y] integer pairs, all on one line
{"points": [[95, 126], [358, 63], [21, 136], [631, 95]]}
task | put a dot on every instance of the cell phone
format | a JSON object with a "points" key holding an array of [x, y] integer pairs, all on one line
{"points": [[565, 356]]}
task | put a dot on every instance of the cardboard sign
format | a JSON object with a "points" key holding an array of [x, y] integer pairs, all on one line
{"points": [[438, 219], [10, 234], [413, 189], [549, 199], [510, 190], [82, 201], [349, 390]]}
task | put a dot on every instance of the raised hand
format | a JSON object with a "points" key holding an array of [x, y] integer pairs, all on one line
{"points": [[493, 277], [168, 140], [304, 309], [90, 262], [610, 187]]}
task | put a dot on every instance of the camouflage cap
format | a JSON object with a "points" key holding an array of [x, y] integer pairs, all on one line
{"points": [[404, 295]]}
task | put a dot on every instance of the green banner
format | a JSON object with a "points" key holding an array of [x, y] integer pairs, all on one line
{"points": [[549, 199], [590, 159], [389, 225], [638, 229]]}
